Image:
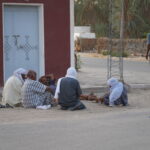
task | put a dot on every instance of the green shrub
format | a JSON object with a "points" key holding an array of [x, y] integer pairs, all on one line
{"points": [[115, 54]]}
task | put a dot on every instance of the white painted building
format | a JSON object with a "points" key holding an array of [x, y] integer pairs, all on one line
{"points": [[83, 32]]}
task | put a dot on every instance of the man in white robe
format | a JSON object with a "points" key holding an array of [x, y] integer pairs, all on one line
{"points": [[117, 93], [12, 88]]}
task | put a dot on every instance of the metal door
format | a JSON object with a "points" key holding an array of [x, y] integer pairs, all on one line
{"points": [[21, 38]]}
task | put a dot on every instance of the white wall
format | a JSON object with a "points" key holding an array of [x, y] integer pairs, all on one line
{"points": [[82, 29], [83, 32]]}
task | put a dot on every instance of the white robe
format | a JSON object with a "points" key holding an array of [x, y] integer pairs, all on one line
{"points": [[12, 91], [115, 90]]}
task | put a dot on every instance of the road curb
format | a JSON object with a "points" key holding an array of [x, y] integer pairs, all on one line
{"points": [[130, 87]]}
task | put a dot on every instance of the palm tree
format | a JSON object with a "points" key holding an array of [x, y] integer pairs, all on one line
{"points": [[95, 13], [136, 18]]}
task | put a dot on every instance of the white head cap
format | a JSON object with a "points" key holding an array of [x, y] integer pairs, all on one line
{"points": [[71, 72], [19, 72], [112, 82]]}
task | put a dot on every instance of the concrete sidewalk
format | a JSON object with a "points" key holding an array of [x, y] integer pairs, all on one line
{"points": [[93, 74]]}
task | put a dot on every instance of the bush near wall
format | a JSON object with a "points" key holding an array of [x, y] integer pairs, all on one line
{"points": [[115, 53]]}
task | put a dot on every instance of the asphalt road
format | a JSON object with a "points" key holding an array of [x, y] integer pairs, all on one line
{"points": [[128, 65], [128, 130], [93, 72]]}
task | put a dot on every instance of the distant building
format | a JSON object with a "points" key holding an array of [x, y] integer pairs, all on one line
{"points": [[83, 32], [84, 39], [36, 34]]}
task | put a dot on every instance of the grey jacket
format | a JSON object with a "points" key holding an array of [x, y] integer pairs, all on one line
{"points": [[70, 92]]}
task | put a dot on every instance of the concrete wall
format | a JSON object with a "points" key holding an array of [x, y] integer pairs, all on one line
{"points": [[135, 47], [83, 32], [132, 46], [82, 29]]}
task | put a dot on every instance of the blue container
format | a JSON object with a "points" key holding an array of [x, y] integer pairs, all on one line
{"points": [[148, 38]]}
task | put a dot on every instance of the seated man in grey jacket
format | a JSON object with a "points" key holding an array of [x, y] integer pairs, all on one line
{"points": [[68, 91]]}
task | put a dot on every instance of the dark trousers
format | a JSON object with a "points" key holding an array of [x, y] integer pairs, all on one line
{"points": [[77, 106]]}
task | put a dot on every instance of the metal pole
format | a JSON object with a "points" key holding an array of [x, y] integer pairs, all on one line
{"points": [[122, 42], [109, 61]]}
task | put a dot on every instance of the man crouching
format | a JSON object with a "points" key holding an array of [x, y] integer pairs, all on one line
{"points": [[35, 94], [68, 91]]}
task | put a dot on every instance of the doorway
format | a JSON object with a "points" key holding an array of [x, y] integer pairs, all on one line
{"points": [[23, 46]]}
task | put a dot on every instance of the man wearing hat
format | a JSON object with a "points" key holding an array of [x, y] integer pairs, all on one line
{"points": [[12, 88]]}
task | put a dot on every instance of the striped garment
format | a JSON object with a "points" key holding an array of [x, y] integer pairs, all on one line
{"points": [[33, 94]]}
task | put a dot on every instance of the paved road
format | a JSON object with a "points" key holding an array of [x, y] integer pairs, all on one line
{"points": [[94, 72], [128, 130]]}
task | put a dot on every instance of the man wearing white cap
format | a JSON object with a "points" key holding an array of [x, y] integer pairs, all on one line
{"points": [[117, 93], [12, 88], [68, 91]]}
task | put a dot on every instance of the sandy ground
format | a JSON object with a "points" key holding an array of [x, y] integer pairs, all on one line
{"points": [[97, 127], [138, 99]]}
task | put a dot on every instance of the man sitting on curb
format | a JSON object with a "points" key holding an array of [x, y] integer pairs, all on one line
{"points": [[117, 93], [35, 94], [12, 88]]}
